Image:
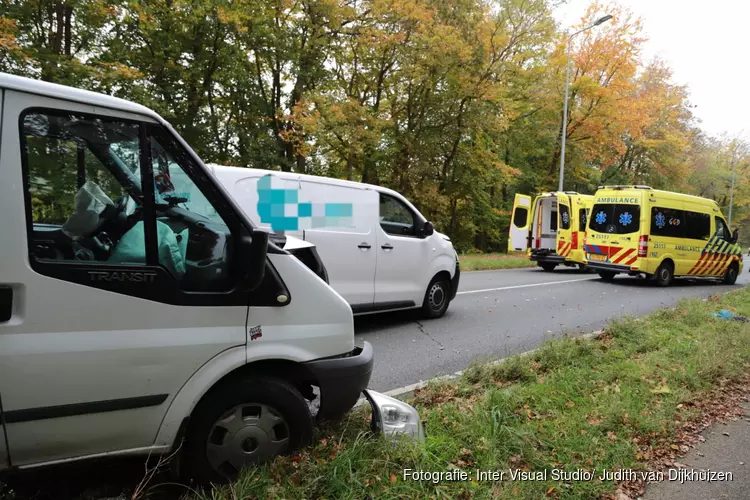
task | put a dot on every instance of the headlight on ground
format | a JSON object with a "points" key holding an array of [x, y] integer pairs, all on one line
{"points": [[393, 417]]}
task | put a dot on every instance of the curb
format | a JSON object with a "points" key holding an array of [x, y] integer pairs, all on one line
{"points": [[407, 391]]}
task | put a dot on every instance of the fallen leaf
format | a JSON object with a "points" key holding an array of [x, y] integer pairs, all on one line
{"points": [[393, 478]]}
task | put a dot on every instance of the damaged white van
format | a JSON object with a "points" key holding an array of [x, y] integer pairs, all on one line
{"points": [[380, 253], [134, 321]]}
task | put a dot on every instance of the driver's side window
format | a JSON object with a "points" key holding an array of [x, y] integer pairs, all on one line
{"points": [[395, 217], [73, 196], [722, 231]]}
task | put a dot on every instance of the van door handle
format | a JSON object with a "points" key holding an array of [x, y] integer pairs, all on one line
{"points": [[387, 247], [364, 246], [6, 303]]}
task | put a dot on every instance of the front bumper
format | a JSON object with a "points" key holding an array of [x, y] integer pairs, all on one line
{"points": [[341, 380], [454, 282]]}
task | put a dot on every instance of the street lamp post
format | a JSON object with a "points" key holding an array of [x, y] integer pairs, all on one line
{"points": [[565, 105]]}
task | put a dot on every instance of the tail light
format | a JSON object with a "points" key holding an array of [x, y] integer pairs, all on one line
{"points": [[643, 246], [574, 241]]}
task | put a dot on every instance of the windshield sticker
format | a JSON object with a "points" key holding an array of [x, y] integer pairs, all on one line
{"points": [[601, 217], [565, 217], [282, 209], [626, 218]]}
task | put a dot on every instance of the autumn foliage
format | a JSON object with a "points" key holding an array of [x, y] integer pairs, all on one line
{"points": [[455, 103]]}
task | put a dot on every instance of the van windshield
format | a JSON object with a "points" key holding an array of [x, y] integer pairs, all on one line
{"points": [[615, 218]]}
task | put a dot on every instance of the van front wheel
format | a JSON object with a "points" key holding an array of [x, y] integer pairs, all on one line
{"points": [[246, 422], [730, 277], [436, 298]]}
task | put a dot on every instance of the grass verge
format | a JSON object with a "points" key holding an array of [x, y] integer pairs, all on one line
{"points": [[574, 404], [492, 261]]}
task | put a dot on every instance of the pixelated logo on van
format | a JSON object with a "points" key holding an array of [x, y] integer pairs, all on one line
{"points": [[282, 209]]}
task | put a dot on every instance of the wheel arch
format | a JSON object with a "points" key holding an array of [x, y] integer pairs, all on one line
{"points": [[223, 369]]}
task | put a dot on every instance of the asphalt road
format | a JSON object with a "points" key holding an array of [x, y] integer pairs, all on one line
{"points": [[500, 313]]}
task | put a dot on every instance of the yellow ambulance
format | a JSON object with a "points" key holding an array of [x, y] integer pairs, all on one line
{"points": [[551, 229], [658, 235]]}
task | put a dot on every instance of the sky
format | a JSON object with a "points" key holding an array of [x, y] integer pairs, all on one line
{"points": [[706, 45]]}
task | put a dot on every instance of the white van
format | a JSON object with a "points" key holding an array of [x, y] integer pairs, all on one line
{"points": [[134, 321], [380, 253]]}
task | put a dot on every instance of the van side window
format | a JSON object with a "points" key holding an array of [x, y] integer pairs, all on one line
{"points": [[76, 201], [85, 193], [564, 216], [697, 225], [667, 222], [395, 217], [582, 219], [722, 231]]}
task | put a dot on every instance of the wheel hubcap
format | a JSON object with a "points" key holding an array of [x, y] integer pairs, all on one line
{"points": [[246, 434], [664, 274], [437, 296]]}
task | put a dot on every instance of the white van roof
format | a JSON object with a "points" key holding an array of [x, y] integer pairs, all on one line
{"points": [[47, 89], [244, 172]]}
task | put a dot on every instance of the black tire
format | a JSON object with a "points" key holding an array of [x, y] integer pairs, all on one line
{"points": [[664, 274], [607, 275], [730, 277], [265, 398], [436, 298], [548, 266]]}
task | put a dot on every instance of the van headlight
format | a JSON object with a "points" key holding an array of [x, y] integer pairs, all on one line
{"points": [[391, 416]]}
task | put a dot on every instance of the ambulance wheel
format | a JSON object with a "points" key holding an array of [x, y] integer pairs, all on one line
{"points": [[436, 299], [246, 422], [607, 275], [548, 266], [664, 274], [730, 277]]}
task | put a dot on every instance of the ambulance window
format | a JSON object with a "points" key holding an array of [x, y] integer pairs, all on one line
{"points": [[697, 226], [582, 219], [564, 216], [520, 216], [721, 229], [627, 218], [667, 222]]}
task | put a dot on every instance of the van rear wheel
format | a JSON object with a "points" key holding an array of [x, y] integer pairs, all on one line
{"points": [[548, 266], [246, 422], [664, 274], [436, 298], [607, 275], [730, 277]]}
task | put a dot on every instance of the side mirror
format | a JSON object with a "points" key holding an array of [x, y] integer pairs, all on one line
{"points": [[253, 252], [428, 229], [735, 235]]}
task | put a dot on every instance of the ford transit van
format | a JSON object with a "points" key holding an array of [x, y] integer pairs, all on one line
{"points": [[658, 235], [551, 229], [136, 321], [380, 253]]}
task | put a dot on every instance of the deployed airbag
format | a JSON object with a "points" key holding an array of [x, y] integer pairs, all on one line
{"points": [[131, 249], [90, 203]]}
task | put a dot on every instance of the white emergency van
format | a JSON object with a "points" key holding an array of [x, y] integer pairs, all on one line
{"points": [[379, 252], [134, 321]]}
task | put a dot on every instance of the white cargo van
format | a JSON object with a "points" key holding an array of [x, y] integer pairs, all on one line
{"points": [[380, 253], [134, 321]]}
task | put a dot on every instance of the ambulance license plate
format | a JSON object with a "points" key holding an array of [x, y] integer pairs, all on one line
{"points": [[597, 257]]}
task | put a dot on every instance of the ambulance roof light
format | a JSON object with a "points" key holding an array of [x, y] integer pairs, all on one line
{"points": [[620, 187]]}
